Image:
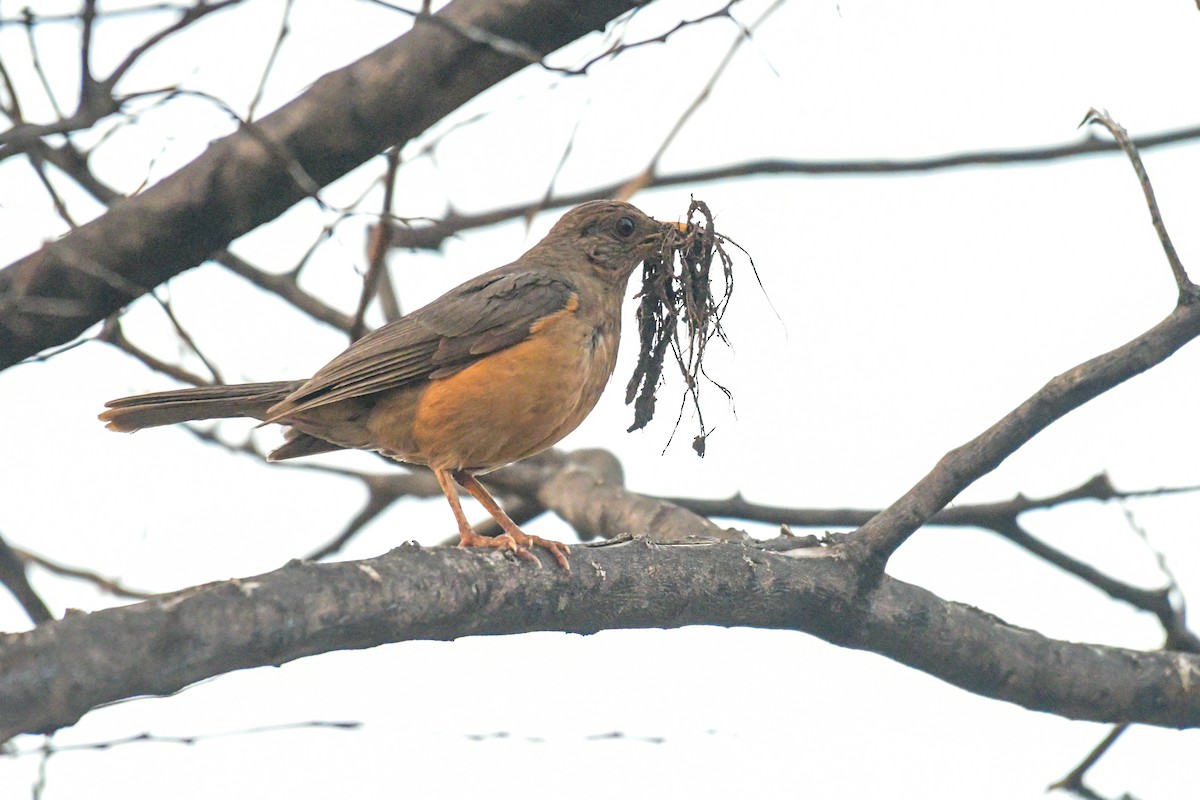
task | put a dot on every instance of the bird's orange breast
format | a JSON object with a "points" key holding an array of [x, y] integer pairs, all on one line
{"points": [[508, 405]]}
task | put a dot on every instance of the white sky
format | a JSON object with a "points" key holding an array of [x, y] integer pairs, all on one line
{"points": [[916, 311]]}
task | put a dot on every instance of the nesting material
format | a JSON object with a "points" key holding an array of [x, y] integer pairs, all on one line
{"points": [[680, 311]]}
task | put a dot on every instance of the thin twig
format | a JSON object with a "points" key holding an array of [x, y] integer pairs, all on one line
{"points": [[304, 182], [380, 239], [284, 29], [624, 47], [1073, 781], [153, 738], [13, 576], [982, 515], [183, 334], [377, 503], [87, 83], [432, 236], [1173, 610], [72, 17], [558, 168], [13, 109], [1188, 291], [383, 490], [285, 287], [60, 207], [188, 15], [36, 59], [113, 334], [110, 585], [743, 35]]}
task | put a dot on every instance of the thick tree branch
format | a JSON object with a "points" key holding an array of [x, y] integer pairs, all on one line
{"points": [[248, 178], [998, 517], [51, 676]]}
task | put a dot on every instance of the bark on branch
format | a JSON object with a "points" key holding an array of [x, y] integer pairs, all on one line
{"points": [[51, 676]]}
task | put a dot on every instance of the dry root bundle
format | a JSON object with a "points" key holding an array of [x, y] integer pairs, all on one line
{"points": [[680, 312]]}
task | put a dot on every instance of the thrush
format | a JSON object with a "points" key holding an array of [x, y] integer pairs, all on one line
{"points": [[493, 371]]}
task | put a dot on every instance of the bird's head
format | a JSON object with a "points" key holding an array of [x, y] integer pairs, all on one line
{"points": [[613, 237]]}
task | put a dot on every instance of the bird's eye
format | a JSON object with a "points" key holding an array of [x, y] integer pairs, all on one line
{"points": [[625, 227]]}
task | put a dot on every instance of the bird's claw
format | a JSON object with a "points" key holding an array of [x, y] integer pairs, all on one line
{"points": [[521, 545], [557, 549]]}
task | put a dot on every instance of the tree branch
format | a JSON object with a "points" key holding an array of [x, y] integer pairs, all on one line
{"points": [[13, 578], [53, 675], [958, 469], [981, 515], [347, 117], [431, 236], [1187, 289], [964, 465]]}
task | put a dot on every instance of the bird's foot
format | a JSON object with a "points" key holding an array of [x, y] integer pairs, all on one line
{"points": [[502, 541], [521, 541], [557, 549]]}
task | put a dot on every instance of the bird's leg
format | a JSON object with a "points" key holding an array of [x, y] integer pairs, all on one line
{"points": [[468, 537], [510, 528]]}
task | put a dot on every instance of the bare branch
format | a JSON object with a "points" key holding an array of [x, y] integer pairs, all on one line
{"points": [[585, 489], [11, 109], [1155, 601], [187, 16], [982, 515], [1073, 781], [60, 207], [647, 175], [964, 465], [344, 119], [186, 337], [961, 467], [381, 237], [157, 738], [382, 492], [414, 593], [275, 48], [1172, 612], [110, 585], [286, 287], [1187, 290], [432, 236], [13, 578], [96, 97], [113, 334], [36, 60], [1000, 518], [621, 47]]}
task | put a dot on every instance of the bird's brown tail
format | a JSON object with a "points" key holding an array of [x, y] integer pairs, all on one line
{"points": [[204, 402]]}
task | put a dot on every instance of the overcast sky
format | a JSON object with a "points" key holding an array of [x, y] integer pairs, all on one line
{"points": [[915, 311]]}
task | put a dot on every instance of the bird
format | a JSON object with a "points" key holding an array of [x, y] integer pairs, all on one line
{"points": [[495, 370]]}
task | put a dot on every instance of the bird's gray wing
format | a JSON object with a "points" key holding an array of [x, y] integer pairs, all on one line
{"points": [[491, 312]]}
